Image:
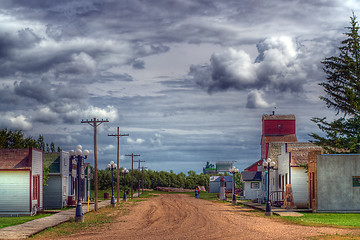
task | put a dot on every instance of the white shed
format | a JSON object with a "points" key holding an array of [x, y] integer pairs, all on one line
{"points": [[251, 184]]}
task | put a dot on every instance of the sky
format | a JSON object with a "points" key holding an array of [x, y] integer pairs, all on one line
{"points": [[188, 80]]}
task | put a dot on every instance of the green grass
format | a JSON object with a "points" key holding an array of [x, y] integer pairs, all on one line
{"points": [[207, 196], [11, 221], [327, 219], [93, 221]]}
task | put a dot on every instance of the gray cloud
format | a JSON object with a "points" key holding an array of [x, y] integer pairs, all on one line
{"points": [[138, 64], [255, 100], [62, 61], [279, 67]]}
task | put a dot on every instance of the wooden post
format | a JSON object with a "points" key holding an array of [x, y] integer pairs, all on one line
{"points": [[118, 135], [94, 123], [132, 171]]}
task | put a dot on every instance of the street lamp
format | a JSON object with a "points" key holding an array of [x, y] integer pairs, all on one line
{"points": [[79, 217], [125, 171], [233, 170], [268, 164], [112, 166]]}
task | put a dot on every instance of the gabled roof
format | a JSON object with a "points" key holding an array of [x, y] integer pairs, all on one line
{"points": [[15, 159], [251, 176], [254, 165]]}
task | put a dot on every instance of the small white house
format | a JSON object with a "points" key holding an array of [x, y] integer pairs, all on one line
{"points": [[251, 184], [21, 181]]}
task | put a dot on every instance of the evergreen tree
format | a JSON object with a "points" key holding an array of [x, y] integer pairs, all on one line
{"points": [[52, 147], [343, 74], [342, 89], [15, 139], [41, 143]]}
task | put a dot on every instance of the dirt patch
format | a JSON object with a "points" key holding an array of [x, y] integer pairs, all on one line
{"points": [[177, 216]]}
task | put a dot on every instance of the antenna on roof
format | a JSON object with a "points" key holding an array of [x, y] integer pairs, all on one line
{"points": [[273, 112]]}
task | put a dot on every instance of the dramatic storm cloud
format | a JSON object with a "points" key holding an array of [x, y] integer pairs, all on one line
{"points": [[278, 68], [188, 80]]}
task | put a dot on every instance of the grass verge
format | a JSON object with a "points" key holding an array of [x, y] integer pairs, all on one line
{"points": [[345, 220], [93, 221], [11, 221]]}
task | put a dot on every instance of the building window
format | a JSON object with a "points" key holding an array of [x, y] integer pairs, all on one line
{"points": [[280, 181], [255, 185]]}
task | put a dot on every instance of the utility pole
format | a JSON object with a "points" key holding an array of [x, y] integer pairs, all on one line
{"points": [[132, 170], [118, 135], [94, 123], [142, 176], [139, 161]]}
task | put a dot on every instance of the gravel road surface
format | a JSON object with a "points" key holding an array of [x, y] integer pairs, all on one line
{"points": [[183, 217]]}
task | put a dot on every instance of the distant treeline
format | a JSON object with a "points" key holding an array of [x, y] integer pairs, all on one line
{"points": [[153, 179]]}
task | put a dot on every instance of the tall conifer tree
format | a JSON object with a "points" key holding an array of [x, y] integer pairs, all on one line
{"points": [[342, 89]]}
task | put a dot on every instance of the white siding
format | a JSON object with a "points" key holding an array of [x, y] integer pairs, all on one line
{"points": [[252, 193], [283, 166], [64, 169], [37, 169], [299, 181], [14, 192]]}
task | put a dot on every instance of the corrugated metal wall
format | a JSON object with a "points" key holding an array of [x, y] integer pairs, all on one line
{"points": [[14, 192]]}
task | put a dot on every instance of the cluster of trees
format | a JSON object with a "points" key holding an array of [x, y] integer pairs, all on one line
{"points": [[17, 139], [153, 179], [342, 88]]}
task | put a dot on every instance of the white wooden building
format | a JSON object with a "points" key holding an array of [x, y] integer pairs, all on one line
{"points": [[21, 178], [290, 164]]}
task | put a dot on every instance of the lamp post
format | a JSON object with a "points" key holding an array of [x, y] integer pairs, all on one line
{"points": [[125, 171], [112, 166], [268, 164], [79, 217], [233, 170]]}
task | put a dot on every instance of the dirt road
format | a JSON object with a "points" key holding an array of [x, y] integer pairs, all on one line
{"points": [[184, 217]]}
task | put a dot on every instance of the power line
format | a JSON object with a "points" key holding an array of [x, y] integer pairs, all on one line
{"points": [[95, 123], [118, 135]]}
